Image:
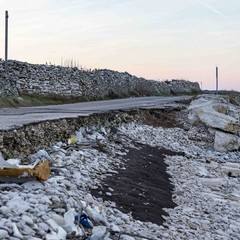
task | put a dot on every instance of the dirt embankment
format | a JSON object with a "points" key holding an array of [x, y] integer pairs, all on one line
{"points": [[28, 139]]}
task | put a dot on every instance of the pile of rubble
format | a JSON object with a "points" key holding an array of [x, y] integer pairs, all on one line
{"points": [[222, 118], [206, 183]]}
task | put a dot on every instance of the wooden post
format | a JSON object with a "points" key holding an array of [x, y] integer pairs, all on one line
{"points": [[216, 80], [6, 42]]}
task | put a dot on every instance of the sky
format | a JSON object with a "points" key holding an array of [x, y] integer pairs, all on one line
{"points": [[155, 39]]}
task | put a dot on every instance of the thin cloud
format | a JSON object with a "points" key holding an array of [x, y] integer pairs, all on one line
{"points": [[214, 10], [211, 8]]}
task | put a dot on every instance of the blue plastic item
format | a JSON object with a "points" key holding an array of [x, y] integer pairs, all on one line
{"points": [[83, 219]]}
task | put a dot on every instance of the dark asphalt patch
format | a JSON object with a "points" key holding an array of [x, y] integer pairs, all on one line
{"points": [[143, 187]]}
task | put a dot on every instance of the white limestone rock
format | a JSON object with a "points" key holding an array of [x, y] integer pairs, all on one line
{"points": [[43, 226], [59, 219], [27, 219], [18, 205], [61, 233], [126, 237], [3, 234], [16, 232], [208, 201], [232, 169], [99, 232], [209, 110], [224, 142], [33, 185]]}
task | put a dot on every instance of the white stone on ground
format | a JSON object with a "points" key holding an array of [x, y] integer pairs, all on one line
{"points": [[208, 200]]}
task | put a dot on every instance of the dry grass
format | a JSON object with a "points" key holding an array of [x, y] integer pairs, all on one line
{"points": [[36, 100]]}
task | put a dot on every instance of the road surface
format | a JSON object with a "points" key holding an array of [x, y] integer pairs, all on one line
{"points": [[11, 118]]}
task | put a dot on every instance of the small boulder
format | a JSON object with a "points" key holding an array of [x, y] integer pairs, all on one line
{"points": [[224, 142]]}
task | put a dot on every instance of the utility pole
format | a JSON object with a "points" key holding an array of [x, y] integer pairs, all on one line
{"points": [[6, 42], [216, 79]]}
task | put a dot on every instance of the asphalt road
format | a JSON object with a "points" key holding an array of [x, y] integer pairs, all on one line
{"points": [[11, 118]]}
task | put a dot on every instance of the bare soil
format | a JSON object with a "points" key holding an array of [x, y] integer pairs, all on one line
{"points": [[143, 187]]}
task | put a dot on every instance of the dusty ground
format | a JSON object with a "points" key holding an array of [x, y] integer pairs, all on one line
{"points": [[143, 186]]}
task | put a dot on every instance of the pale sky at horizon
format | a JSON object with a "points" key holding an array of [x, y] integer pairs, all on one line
{"points": [[155, 39]]}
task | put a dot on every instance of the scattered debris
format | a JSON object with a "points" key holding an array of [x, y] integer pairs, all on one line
{"points": [[12, 171], [206, 188]]}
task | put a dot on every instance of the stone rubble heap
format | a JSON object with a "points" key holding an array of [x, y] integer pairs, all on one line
{"points": [[221, 117], [25, 78], [206, 189], [206, 182]]}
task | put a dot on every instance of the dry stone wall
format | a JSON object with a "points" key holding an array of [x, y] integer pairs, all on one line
{"points": [[41, 79]]}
